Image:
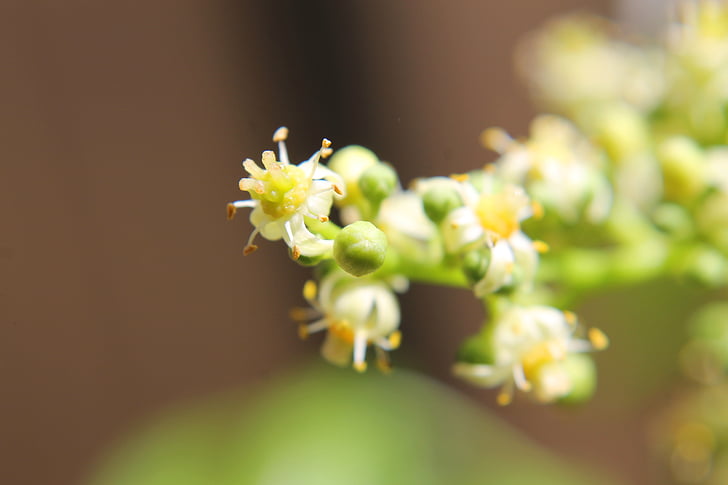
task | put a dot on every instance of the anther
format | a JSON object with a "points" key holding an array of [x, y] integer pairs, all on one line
{"points": [[250, 248], [310, 290], [598, 339], [395, 339], [570, 317], [537, 210], [325, 143], [540, 247], [360, 366], [460, 177], [504, 398], [303, 331], [281, 134], [231, 210], [295, 252]]}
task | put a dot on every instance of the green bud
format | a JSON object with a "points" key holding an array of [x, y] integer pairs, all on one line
{"points": [[438, 202], [583, 376], [360, 248], [683, 166], [476, 263], [378, 182], [350, 162]]}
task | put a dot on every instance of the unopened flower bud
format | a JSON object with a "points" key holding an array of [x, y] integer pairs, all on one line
{"points": [[439, 201], [476, 264], [360, 248], [350, 162], [378, 182]]}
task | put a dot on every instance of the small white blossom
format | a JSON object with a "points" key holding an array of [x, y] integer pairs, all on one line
{"points": [[528, 345], [492, 217], [557, 165], [355, 312], [283, 195]]}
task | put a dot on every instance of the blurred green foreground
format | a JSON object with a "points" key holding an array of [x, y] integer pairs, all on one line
{"points": [[327, 426]]}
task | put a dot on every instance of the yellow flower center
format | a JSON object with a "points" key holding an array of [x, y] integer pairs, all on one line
{"points": [[281, 189], [498, 213], [541, 354]]}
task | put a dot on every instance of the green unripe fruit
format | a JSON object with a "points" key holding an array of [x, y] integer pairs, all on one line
{"points": [[360, 248]]}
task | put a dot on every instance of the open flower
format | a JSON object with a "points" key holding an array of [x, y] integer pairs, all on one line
{"points": [[557, 165], [283, 195], [355, 312], [527, 345], [491, 216]]}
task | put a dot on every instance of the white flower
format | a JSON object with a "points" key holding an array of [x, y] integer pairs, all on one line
{"points": [[492, 217], [557, 165], [355, 312], [283, 195], [528, 343]]}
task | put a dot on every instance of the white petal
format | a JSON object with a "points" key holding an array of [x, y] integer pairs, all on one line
{"points": [[500, 270]]}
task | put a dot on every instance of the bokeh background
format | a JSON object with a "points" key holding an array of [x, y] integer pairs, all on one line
{"points": [[123, 289]]}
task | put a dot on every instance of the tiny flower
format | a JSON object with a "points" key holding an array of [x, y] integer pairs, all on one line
{"points": [[283, 195], [557, 165], [528, 348], [355, 313], [491, 217]]}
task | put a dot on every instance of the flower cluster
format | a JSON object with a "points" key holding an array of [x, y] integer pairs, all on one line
{"points": [[626, 182], [460, 230]]}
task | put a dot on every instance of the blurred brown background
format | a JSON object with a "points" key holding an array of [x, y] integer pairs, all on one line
{"points": [[124, 288]]}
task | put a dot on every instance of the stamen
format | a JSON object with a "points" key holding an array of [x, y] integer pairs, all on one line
{"points": [[537, 210], [281, 134], [505, 396], [250, 247], [305, 330], [496, 139], [360, 348], [460, 177], [326, 153], [309, 290], [570, 317], [231, 210], [337, 189], [295, 252], [540, 247], [383, 363], [598, 339], [395, 339], [520, 379], [301, 314]]}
